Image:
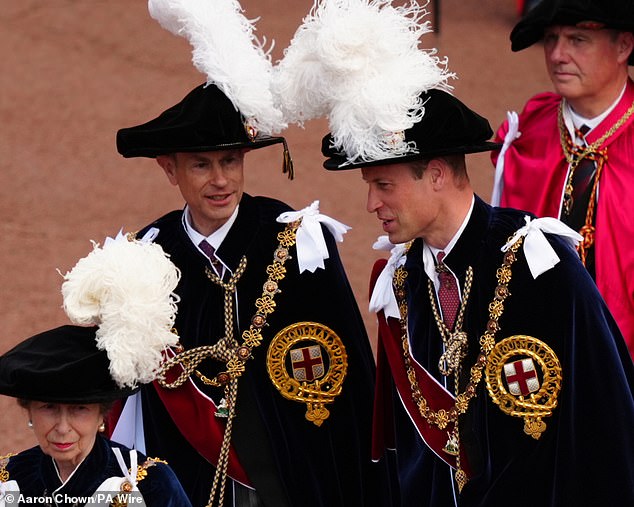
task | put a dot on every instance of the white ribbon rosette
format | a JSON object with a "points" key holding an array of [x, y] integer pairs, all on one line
{"points": [[383, 297], [540, 256], [310, 242]]}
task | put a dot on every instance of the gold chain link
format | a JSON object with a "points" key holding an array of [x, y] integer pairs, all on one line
{"points": [[442, 418], [455, 342], [229, 351]]}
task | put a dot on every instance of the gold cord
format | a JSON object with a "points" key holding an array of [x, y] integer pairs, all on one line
{"points": [[227, 349], [574, 154], [455, 342]]}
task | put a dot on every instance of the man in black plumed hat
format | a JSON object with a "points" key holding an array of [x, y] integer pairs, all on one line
{"points": [[498, 362], [267, 400], [573, 159], [280, 372]]}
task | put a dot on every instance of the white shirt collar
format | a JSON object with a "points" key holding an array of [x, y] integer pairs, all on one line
{"points": [[430, 253], [572, 119], [216, 238]]}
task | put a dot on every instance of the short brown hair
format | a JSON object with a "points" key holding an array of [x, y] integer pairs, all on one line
{"points": [[455, 161]]}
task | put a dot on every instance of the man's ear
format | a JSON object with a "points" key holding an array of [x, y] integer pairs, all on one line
{"points": [[626, 45], [168, 164], [437, 172]]}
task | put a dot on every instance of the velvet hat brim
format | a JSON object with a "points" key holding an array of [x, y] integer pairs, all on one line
{"points": [[447, 127], [615, 14], [205, 120], [61, 365]]}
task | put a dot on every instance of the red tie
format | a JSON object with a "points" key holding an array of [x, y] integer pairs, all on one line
{"points": [[448, 295]]}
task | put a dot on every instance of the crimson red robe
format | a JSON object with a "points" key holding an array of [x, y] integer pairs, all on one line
{"points": [[534, 176]]}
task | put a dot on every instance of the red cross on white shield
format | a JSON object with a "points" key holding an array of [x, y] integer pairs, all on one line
{"points": [[308, 363], [521, 377]]}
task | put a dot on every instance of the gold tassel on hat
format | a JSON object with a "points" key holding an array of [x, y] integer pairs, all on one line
{"points": [[287, 167]]}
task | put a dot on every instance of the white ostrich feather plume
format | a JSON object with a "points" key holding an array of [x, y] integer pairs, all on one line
{"points": [[126, 288], [227, 51], [358, 63]]}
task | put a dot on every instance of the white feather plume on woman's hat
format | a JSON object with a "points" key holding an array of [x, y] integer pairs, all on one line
{"points": [[125, 287]]}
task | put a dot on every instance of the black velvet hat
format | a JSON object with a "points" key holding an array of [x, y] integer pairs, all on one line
{"points": [[616, 14], [447, 127], [61, 365], [205, 120]]}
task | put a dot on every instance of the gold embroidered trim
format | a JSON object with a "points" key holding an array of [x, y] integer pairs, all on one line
{"points": [[141, 472], [121, 499]]}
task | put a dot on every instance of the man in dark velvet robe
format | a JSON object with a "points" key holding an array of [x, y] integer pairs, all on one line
{"points": [[278, 456], [535, 405]]}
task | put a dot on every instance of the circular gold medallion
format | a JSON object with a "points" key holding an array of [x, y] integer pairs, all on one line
{"points": [[523, 377], [307, 362]]}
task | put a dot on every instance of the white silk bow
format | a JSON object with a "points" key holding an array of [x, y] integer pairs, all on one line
{"points": [[540, 256], [512, 134], [103, 496], [9, 493], [311, 244]]}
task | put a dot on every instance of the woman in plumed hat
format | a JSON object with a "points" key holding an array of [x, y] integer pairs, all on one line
{"points": [[68, 378]]}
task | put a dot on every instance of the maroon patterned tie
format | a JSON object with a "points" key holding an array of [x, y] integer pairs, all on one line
{"points": [[448, 295], [211, 253]]}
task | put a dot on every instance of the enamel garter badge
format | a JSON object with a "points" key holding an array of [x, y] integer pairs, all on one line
{"points": [[307, 362], [523, 377]]}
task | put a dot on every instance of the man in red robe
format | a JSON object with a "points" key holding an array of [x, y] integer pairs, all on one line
{"points": [[551, 168]]}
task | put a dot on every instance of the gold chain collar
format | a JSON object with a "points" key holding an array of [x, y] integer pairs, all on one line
{"points": [[574, 153], [442, 418], [4, 461], [236, 356]]}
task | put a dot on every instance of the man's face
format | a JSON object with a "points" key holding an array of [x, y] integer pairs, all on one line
{"points": [[586, 66], [212, 184], [407, 207]]}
